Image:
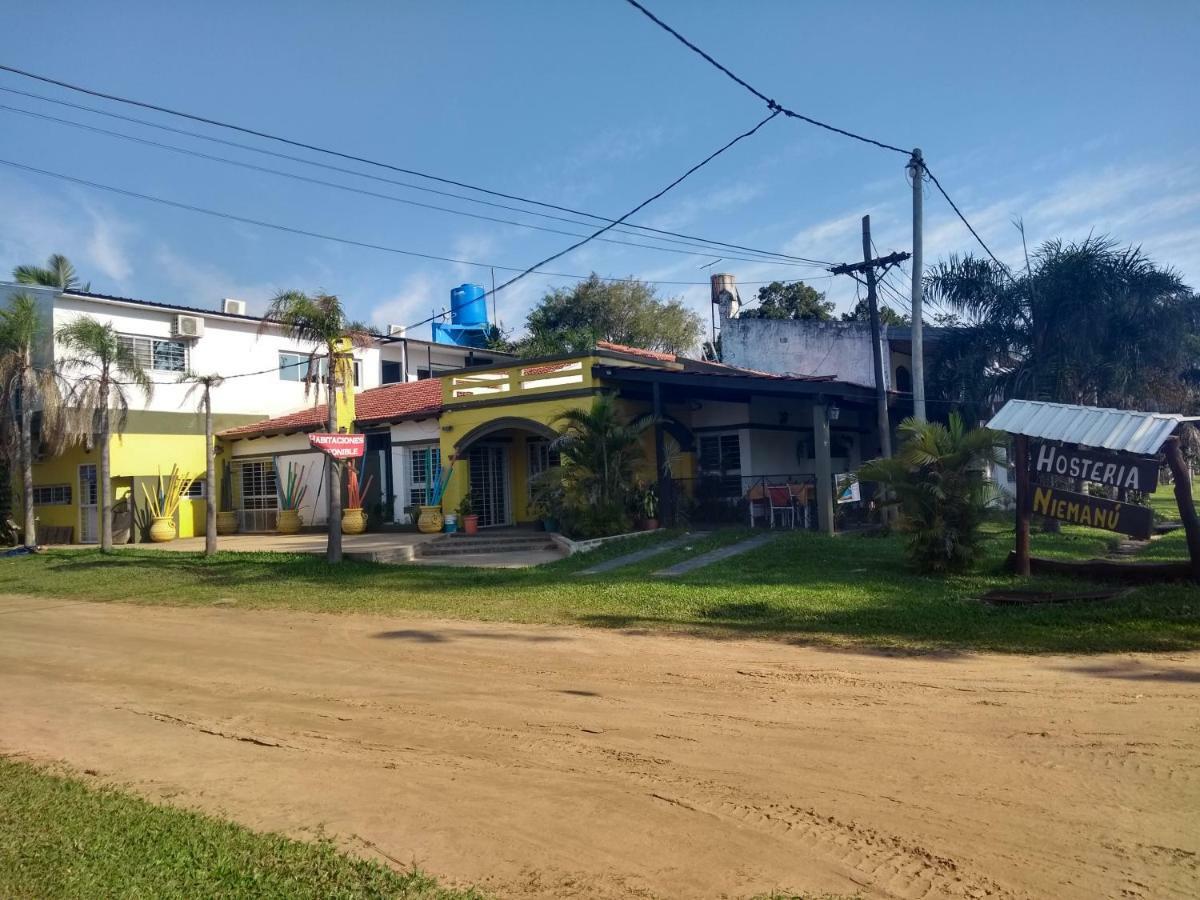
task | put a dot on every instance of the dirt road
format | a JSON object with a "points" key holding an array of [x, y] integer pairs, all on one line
{"points": [[555, 762]]}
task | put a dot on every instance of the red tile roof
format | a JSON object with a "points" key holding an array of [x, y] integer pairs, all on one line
{"points": [[636, 351], [390, 403]]}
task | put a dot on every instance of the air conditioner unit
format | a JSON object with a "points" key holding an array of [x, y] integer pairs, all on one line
{"points": [[187, 327], [232, 307], [397, 330]]}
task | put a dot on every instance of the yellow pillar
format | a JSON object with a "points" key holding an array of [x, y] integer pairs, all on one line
{"points": [[343, 362]]}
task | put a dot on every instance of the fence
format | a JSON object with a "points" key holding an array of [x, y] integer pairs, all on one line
{"points": [[784, 500]]}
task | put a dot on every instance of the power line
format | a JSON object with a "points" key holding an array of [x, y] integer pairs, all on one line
{"points": [[354, 158], [376, 194], [326, 237], [644, 203], [773, 105]]}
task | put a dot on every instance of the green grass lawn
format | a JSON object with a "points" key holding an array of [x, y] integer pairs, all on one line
{"points": [[801, 586], [62, 838]]}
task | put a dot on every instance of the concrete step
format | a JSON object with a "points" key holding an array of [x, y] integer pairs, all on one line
{"points": [[453, 545]]}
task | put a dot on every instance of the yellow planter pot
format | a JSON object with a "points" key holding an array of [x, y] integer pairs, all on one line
{"points": [[354, 521], [431, 520], [162, 529], [227, 523], [287, 521]]}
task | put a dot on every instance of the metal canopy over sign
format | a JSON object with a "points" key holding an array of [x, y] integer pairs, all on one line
{"points": [[1120, 470], [339, 446], [1095, 512]]}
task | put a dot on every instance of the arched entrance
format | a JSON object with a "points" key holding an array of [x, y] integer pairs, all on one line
{"points": [[497, 461]]}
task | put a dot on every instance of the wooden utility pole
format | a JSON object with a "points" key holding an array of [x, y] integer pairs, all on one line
{"points": [[1020, 464], [1183, 497], [868, 267]]}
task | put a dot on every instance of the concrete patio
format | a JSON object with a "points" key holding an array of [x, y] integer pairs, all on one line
{"points": [[382, 547]]}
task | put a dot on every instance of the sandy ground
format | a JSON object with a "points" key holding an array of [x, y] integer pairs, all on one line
{"points": [[557, 762]]}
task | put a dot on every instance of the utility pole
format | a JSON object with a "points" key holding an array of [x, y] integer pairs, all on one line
{"points": [[916, 166], [868, 267]]}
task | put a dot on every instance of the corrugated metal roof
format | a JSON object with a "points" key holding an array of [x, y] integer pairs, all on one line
{"points": [[1124, 430]]}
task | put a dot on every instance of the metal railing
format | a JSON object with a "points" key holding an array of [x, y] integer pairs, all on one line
{"points": [[783, 500]]}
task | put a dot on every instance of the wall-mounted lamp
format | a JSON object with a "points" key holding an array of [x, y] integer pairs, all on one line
{"points": [[833, 412]]}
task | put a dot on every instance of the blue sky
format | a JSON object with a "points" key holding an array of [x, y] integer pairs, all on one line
{"points": [[1075, 116]]}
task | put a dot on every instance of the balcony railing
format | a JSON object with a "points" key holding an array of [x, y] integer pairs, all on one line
{"points": [[497, 383]]}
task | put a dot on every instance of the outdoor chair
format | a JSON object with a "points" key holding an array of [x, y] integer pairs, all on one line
{"points": [[758, 504], [782, 510], [801, 493]]}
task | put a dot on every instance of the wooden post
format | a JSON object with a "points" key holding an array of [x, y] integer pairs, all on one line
{"points": [[666, 487], [1021, 462], [824, 461], [1187, 506]]}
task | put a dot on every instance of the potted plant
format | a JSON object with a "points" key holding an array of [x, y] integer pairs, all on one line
{"points": [[291, 490], [164, 503], [466, 515], [648, 507], [227, 518], [354, 520], [431, 520]]}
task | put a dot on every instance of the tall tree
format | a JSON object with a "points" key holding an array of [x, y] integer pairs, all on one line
{"points": [[322, 320], [1087, 322], [101, 369], [887, 315], [58, 272], [29, 386], [790, 300], [572, 320], [204, 385]]}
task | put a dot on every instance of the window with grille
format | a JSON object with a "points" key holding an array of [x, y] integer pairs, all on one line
{"points": [[541, 458], [52, 495], [424, 470], [258, 484], [156, 354], [195, 490], [294, 367], [721, 459]]}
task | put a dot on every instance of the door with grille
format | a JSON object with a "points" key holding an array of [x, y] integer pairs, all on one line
{"points": [[489, 485], [89, 505]]}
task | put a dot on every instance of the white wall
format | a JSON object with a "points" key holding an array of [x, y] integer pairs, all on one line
{"points": [[402, 433], [792, 347], [228, 347]]}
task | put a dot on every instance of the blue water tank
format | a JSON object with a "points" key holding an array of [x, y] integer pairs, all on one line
{"points": [[468, 306]]}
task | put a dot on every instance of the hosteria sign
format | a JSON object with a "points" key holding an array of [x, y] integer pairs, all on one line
{"points": [[1119, 470]]}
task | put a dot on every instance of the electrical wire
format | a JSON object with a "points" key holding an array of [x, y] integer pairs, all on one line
{"points": [[773, 105], [353, 158], [700, 251], [325, 237], [644, 203]]}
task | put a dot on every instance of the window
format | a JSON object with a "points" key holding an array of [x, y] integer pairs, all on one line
{"points": [[294, 367], [52, 495], [903, 380], [721, 454], [424, 470], [721, 460], [195, 490], [391, 373], [541, 458], [156, 354]]}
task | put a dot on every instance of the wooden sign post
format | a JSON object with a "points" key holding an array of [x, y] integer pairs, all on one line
{"points": [[1182, 477], [1021, 467]]}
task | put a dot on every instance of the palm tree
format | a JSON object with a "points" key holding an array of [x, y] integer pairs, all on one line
{"points": [[1087, 322], [27, 386], [937, 480], [322, 320], [601, 451], [58, 273], [205, 385], [102, 368]]}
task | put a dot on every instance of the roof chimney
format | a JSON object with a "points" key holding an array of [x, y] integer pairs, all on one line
{"points": [[725, 295]]}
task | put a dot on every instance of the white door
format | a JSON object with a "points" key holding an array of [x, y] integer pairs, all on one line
{"points": [[89, 511]]}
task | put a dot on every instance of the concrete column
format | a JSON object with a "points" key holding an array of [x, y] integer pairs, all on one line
{"points": [[824, 468]]}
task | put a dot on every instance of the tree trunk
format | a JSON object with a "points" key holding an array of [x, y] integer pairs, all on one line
{"points": [[104, 485], [26, 457], [333, 552], [210, 479]]}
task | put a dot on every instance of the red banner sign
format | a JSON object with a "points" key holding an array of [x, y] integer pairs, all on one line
{"points": [[340, 446]]}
